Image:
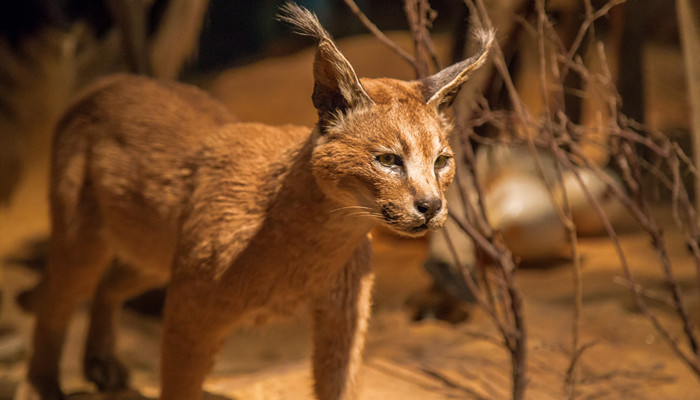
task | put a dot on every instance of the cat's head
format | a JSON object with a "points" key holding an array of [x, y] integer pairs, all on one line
{"points": [[382, 148]]}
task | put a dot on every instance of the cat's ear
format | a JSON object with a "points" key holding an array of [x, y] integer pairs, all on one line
{"points": [[336, 86], [440, 89]]}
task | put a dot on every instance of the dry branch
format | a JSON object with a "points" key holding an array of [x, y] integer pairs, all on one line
{"points": [[494, 287], [381, 36]]}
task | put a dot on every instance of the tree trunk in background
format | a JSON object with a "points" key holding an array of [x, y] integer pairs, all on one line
{"points": [[689, 25], [177, 37]]}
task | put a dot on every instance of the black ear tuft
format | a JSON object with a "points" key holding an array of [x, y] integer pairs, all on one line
{"points": [[336, 86], [440, 89]]}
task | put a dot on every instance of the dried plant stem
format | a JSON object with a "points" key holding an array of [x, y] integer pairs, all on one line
{"points": [[628, 159], [636, 289], [468, 152], [416, 13], [500, 254], [381, 36], [591, 17], [649, 224], [623, 140], [483, 301], [500, 63], [494, 286], [563, 210]]}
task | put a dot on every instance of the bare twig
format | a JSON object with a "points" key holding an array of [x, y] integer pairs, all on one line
{"points": [[591, 17], [496, 290], [416, 14], [381, 36]]}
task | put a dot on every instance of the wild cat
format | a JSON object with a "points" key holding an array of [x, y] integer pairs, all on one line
{"points": [[237, 218]]}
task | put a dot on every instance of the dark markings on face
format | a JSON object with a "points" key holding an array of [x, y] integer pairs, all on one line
{"points": [[388, 212]]}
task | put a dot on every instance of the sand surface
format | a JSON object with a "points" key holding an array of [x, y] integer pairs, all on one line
{"points": [[429, 359]]}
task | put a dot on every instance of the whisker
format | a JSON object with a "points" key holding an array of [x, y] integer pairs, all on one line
{"points": [[371, 215], [349, 208], [360, 213]]}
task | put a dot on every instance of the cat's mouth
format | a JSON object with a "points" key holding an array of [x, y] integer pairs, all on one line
{"points": [[419, 228], [413, 227]]}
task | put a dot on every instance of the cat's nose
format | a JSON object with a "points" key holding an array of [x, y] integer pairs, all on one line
{"points": [[428, 207]]}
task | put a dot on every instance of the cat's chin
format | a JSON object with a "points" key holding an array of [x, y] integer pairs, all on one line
{"points": [[412, 232]]}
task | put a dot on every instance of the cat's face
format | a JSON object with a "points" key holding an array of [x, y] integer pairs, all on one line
{"points": [[381, 148], [389, 161]]}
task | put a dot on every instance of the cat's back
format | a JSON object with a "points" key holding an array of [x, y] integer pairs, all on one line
{"points": [[148, 150], [253, 142], [243, 162], [131, 107]]}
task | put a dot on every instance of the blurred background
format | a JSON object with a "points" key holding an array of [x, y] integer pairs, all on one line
{"points": [[428, 339]]}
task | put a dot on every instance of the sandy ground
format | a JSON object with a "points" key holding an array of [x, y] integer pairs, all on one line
{"points": [[429, 359], [412, 360]]}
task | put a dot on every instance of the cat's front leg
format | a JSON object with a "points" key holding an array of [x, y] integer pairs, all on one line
{"points": [[340, 317]]}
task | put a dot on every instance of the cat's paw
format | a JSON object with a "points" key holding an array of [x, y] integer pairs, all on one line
{"points": [[45, 390], [107, 373]]}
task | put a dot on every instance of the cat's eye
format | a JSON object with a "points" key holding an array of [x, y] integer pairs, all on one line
{"points": [[389, 160], [441, 161]]}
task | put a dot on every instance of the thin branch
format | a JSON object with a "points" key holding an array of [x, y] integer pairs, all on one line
{"points": [[416, 14], [380, 35], [591, 17]]}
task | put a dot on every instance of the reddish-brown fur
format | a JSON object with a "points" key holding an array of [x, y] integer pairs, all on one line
{"points": [[238, 218]]}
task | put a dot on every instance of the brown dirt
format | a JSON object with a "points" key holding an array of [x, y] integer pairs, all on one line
{"points": [[404, 359]]}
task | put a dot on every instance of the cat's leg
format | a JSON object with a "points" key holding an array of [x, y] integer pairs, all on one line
{"points": [[122, 282], [340, 318], [193, 331], [73, 271]]}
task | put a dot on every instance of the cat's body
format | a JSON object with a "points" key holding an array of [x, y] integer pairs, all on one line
{"points": [[238, 218], [230, 184]]}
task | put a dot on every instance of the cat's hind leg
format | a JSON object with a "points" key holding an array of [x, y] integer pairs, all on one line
{"points": [[101, 365]]}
